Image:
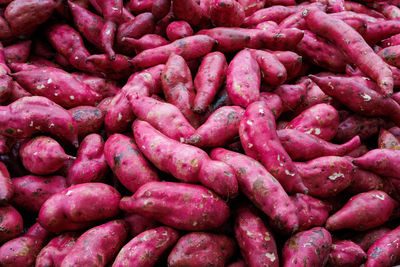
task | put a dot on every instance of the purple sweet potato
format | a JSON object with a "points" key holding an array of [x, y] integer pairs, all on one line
{"points": [[321, 120], [178, 30], [257, 131], [219, 129], [107, 37], [6, 185], [261, 188], [365, 127], [11, 224], [274, 13], [42, 155], [17, 53], [90, 164], [160, 8], [208, 81], [292, 95], [98, 245], [366, 239], [364, 181], [385, 251], [273, 102], [380, 30], [146, 248], [311, 211], [251, 6], [255, 239], [140, 6], [138, 224], [382, 161], [30, 115], [112, 9], [190, 11], [88, 119], [346, 253], [56, 250], [31, 191], [308, 248], [387, 140], [147, 41], [226, 13], [201, 249], [136, 28], [22, 251], [127, 163], [360, 8], [273, 72], [116, 68], [172, 204], [363, 211], [78, 207], [302, 146]]}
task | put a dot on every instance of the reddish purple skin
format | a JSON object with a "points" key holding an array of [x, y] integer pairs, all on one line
{"points": [[366, 239], [220, 128], [190, 11], [364, 181], [42, 62], [347, 254], [172, 204], [78, 207], [281, 2], [335, 6], [261, 188], [62, 61], [118, 68], [360, 8], [231, 39], [102, 86], [273, 102], [147, 41], [3, 65], [24, 15], [365, 127], [391, 55], [391, 41], [301, 146], [178, 88], [90, 164], [274, 13], [292, 95], [202, 249], [363, 212], [138, 224], [178, 30], [191, 47], [136, 28], [88, 119], [127, 162], [11, 224], [251, 6], [226, 13], [321, 120], [239, 263], [56, 250], [308, 248], [321, 52], [42, 155], [385, 251], [160, 8], [266, 25], [98, 245], [293, 62], [326, 176], [208, 81], [380, 30], [165, 117], [146, 248], [119, 115], [273, 72], [387, 140], [257, 130], [395, 130], [243, 79], [256, 241], [6, 144], [382, 161], [353, 44], [140, 6], [22, 251], [162, 24], [5, 30], [112, 9], [17, 53], [5, 88], [31, 191]]}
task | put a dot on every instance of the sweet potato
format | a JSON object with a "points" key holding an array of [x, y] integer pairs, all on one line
{"points": [[366, 239], [202, 249], [5, 144], [171, 204], [387, 140], [274, 13], [385, 251], [302, 146], [239, 263], [266, 25], [365, 127], [5, 88], [346, 253], [107, 37], [360, 213], [136, 28], [382, 161], [226, 13], [219, 129], [11, 223], [256, 183], [42, 155], [140, 6], [31, 191], [257, 130], [273, 102], [6, 185], [138, 224], [380, 30], [90, 164], [22, 251], [351, 43], [310, 248], [88, 119], [178, 30], [191, 47], [117, 68], [273, 72], [291, 94], [147, 41], [209, 78], [56, 250], [17, 53], [78, 207], [190, 11], [255, 239], [127, 163], [243, 79], [97, 246], [391, 41], [251, 6], [360, 8], [160, 8], [321, 120], [112, 9], [5, 30], [364, 181]]}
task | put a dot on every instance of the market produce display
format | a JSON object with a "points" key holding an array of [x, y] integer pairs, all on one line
{"points": [[193, 133]]}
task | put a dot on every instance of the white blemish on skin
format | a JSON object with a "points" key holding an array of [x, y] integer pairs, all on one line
{"points": [[261, 111], [143, 147], [317, 131], [250, 145], [19, 130], [49, 80], [40, 87], [289, 173], [108, 32], [270, 256], [249, 122], [55, 94], [31, 124], [72, 97], [248, 233], [309, 131], [366, 97], [330, 85], [115, 8], [35, 153], [51, 125], [119, 117], [182, 139], [336, 175], [381, 197], [76, 58], [68, 193]]}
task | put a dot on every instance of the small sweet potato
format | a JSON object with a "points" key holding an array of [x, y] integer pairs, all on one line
{"points": [[274, 13], [178, 30], [142, 24], [387, 140], [6, 185], [88, 119], [147, 41], [292, 95], [117, 68], [5, 88], [31, 191], [11, 224], [273, 72], [385, 252], [382, 161], [17, 53], [366, 239], [273, 102], [160, 8], [364, 127], [346, 253], [251, 6], [147, 247], [78, 207], [226, 13], [364, 181], [190, 11]]}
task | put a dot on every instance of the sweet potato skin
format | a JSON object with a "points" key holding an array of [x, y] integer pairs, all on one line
{"points": [[88, 119], [178, 30], [202, 249], [365, 127], [385, 251], [31, 191], [11, 224], [360, 212], [127, 162], [387, 140], [382, 161], [226, 13], [346, 253], [190, 11], [273, 72], [98, 245], [6, 185], [79, 206], [366, 239], [155, 200], [17, 53], [138, 224], [296, 252]]}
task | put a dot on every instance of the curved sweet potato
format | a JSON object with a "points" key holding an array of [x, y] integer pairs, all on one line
{"points": [[11, 224]]}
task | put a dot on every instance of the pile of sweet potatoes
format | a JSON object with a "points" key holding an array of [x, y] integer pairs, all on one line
{"points": [[199, 133]]}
